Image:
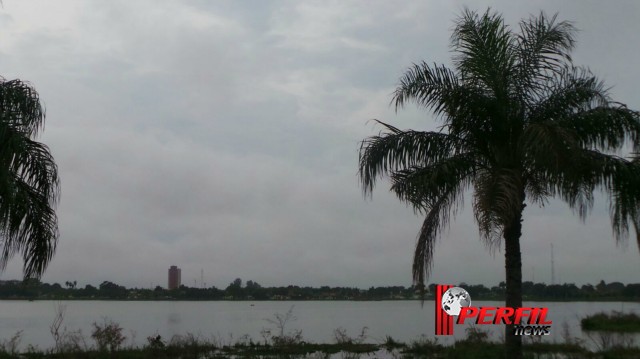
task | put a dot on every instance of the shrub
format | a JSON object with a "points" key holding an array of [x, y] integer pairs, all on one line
{"points": [[391, 343], [10, 346], [341, 336], [283, 338], [107, 335]]}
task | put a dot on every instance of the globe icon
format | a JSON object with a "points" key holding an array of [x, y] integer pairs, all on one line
{"points": [[454, 299]]}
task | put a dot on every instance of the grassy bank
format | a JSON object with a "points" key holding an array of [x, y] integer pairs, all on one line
{"points": [[613, 322], [109, 341], [475, 346], [419, 349]]}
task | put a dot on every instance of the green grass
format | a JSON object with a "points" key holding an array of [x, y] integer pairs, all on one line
{"points": [[424, 348], [614, 322]]}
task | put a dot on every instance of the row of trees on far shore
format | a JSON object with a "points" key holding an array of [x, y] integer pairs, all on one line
{"points": [[34, 289]]}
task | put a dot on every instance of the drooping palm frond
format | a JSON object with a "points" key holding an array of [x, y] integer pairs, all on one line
{"points": [[607, 128], [395, 150], [578, 194], [20, 107], [30, 227], [34, 164], [589, 171], [498, 198], [433, 87], [627, 206], [435, 220], [435, 190], [573, 118], [428, 171], [419, 186], [620, 178], [29, 183]]}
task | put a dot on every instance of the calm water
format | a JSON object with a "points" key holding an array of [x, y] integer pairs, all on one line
{"points": [[402, 320]]}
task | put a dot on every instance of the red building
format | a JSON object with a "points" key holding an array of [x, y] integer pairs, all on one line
{"points": [[175, 277]]}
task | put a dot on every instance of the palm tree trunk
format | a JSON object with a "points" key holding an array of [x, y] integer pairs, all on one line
{"points": [[513, 266]]}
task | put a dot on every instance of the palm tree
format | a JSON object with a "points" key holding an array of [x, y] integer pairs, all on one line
{"points": [[520, 123], [29, 184]]}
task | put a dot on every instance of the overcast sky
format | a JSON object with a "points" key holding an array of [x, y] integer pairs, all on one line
{"points": [[223, 136]]}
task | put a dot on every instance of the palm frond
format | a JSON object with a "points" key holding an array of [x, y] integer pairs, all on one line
{"points": [[436, 219], [484, 45], [548, 146], [29, 183], [395, 150], [569, 91], [421, 186], [543, 49], [536, 189], [432, 87], [467, 110], [29, 225], [606, 127], [497, 199], [591, 170], [20, 107], [35, 165], [621, 179]]}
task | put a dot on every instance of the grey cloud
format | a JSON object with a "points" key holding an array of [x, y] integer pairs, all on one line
{"points": [[223, 136]]}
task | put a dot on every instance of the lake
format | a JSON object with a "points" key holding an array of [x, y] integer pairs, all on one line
{"points": [[230, 320]]}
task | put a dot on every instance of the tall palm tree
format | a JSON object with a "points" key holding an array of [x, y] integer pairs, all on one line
{"points": [[520, 123], [29, 184]]}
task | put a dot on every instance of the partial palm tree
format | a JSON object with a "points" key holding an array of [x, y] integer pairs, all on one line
{"points": [[29, 184], [520, 123]]}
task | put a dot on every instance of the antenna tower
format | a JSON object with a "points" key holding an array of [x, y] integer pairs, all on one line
{"points": [[553, 270], [533, 274]]}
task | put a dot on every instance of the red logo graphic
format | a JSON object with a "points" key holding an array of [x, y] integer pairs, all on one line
{"points": [[444, 322], [455, 301]]}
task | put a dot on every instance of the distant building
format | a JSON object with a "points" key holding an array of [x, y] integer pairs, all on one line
{"points": [[175, 277]]}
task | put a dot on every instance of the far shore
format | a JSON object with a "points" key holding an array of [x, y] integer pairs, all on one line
{"points": [[32, 289], [596, 300]]}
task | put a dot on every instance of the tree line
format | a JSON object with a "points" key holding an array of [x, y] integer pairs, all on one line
{"points": [[34, 289]]}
